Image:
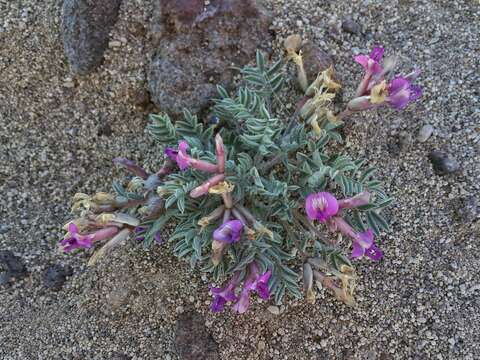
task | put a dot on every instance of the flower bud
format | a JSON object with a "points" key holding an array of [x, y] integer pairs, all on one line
{"points": [[359, 103]]}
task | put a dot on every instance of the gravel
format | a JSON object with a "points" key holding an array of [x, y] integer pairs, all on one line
{"points": [[420, 302]]}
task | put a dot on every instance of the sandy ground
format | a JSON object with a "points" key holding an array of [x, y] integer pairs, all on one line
{"points": [[421, 302]]}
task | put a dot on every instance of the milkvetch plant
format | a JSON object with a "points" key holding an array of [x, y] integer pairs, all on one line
{"points": [[256, 196]]}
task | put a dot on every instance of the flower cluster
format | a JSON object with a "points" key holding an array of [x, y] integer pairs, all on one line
{"points": [[324, 207], [375, 90], [248, 192], [255, 281]]}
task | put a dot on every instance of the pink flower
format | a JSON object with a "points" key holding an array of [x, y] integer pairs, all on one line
{"points": [[321, 206], [371, 63], [74, 240], [362, 243], [184, 161], [401, 92], [220, 150]]}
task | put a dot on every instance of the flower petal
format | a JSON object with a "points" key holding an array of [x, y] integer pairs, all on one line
{"points": [[229, 232], [171, 153], [218, 304], [415, 92], [365, 239], [377, 53], [72, 228], [374, 253], [362, 60], [262, 290], [243, 302], [357, 250]]}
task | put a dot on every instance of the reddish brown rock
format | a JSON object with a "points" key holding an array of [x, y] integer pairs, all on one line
{"points": [[315, 60], [196, 47]]}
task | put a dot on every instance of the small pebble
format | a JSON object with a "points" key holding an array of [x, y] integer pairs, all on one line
{"points": [[425, 132], [55, 276], [351, 27], [404, 140], [114, 44], [468, 209], [275, 310], [443, 163], [69, 84]]}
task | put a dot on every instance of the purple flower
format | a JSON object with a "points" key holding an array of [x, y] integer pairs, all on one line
{"points": [[243, 302], [257, 282], [253, 283], [371, 63], [182, 158], [184, 161], [74, 240], [363, 245], [171, 153], [222, 295], [229, 232], [401, 92], [131, 166], [321, 206]]}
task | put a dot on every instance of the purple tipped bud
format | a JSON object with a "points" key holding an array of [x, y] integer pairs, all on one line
{"points": [[220, 150], [131, 166], [203, 189], [360, 103], [358, 200]]}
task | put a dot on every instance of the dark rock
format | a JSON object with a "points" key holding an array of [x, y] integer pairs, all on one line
{"points": [[137, 29], [120, 356], [351, 27], [442, 163], [192, 340], [141, 98], [104, 129], [404, 140], [85, 27], [315, 60], [55, 276], [394, 147], [334, 30], [468, 209], [196, 47], [11, 267]]}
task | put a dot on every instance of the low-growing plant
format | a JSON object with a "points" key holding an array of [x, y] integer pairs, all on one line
{"points": [[256, 194]]}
